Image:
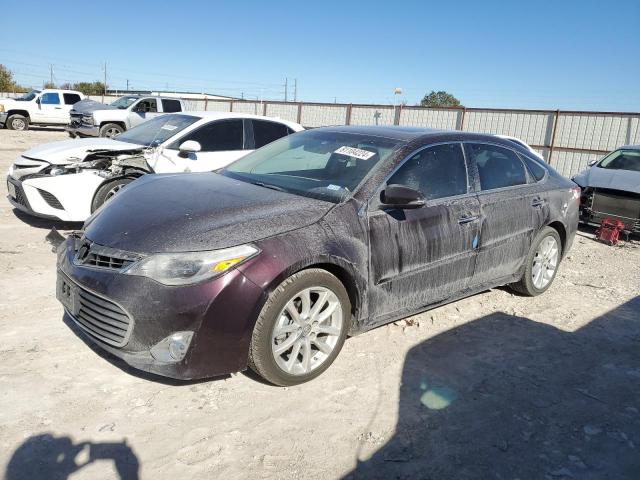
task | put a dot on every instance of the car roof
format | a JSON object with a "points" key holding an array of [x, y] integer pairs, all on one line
{"points": [[629, 147], [223, 115], [408, 134]]}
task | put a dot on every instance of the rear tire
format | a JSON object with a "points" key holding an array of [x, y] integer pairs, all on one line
{"points": [[107, 190], [541, 264], [108, 130], [301, 328], [17, 122]]}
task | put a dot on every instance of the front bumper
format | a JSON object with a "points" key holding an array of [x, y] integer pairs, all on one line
{"points": [[83, 130], [3, 118], [221, 313]]}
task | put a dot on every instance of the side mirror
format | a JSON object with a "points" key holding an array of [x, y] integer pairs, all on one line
{"points": [[592, 163], [38, 102], [400, 196], [190, 146]]}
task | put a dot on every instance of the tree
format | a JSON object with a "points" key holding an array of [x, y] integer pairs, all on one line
{"points": [[90, 88], [7, 84], [440, 99], [66, 86], [49, 85]]}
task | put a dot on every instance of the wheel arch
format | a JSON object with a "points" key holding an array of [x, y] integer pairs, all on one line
{"points": [[339, 268], [559, 227], [108, 180], [116, 122], [14, 111]]}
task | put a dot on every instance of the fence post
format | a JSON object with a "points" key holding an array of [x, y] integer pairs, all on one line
{"points": [[553, 136], [299, 113], [396, 114], [347, 120], [206, 102], [231, 105], [264, 109], [462, 115]]}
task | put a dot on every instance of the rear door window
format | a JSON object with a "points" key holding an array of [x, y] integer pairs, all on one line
{"points": [[171, 106], [498, 167], [147, 105], [71, 98], [265, 132], [218, 136], [437, 172]]}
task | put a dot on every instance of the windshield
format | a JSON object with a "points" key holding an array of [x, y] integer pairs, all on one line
{"points": [[157, 130], [622, 160], [27, 97], [319, 164], [123, 102]]}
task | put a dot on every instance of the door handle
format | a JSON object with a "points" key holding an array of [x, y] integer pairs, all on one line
{"points": [[537, 202], [467, 219], [58, 108]]}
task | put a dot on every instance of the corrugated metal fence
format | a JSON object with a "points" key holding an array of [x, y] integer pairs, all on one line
{"points": [[568, 140]]}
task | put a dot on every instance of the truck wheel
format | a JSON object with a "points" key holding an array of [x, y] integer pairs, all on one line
{"points": [[17, 122], [107, 190], [72, 135], [110, 129]]}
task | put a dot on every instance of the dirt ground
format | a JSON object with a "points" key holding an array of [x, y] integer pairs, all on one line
{"points": [[493, 386]]}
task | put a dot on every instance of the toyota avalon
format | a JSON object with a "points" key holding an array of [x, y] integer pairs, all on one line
{"points": [[273, 261]]}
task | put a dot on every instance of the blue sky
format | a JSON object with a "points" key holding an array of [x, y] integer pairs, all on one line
{"points": [[537, 54]]}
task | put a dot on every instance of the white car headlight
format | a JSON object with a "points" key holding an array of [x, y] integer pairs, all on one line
{"points": [[191, 267], [1, 108]]}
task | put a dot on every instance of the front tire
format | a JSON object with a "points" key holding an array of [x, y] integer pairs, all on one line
{"points": [[541, 264], [109, 130], [301, 328], [18, 122], [107, 190]]}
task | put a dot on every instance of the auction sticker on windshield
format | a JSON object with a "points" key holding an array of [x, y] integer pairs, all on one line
{"points": [[355, 152], [171, 128]]}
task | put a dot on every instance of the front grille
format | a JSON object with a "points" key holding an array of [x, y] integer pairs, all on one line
{"points": [[94, 255], [103, 319], [51, 200]]}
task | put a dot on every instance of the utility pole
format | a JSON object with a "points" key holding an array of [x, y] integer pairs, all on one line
{"points": [[105, 78], [286, 82], [51, 73], [127, 84], [295, 89]]}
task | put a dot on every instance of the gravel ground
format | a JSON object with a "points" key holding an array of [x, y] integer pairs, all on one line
{"points": [[493, 386]]}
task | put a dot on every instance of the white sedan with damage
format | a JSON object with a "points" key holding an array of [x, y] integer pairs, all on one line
{"points": [[71, 179]]}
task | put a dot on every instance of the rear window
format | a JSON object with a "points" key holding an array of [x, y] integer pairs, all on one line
{"points": [[266, 132], [171, 106], [71, 98]]}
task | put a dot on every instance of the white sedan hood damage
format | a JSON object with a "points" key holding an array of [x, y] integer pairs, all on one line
{"points": [[71, 151]]}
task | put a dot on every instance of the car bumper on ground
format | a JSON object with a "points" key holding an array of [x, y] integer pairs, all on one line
{"points": [[128, 316], [83, 130]]}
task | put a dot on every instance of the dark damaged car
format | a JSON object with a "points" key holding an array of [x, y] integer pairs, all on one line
{"points": [[611, 189], [271, 262]]}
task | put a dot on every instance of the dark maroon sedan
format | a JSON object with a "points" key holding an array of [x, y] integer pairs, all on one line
{"points": [[273, 261]]}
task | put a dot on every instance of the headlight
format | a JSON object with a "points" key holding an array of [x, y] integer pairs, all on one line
{"points": [[88, 119], [55, 171], [191, 267], [1, 108]]}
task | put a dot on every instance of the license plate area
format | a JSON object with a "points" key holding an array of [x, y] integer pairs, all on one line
{"points": [[67, 294]]}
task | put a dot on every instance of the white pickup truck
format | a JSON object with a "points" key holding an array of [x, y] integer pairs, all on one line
{"points": [[38, 107], [95, 119]]}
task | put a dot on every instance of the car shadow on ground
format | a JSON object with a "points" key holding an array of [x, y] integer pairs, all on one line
{"points": [[122, 365], [47, 457], [506, 397], [46, 223]]}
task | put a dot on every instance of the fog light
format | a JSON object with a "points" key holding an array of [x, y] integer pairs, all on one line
{"points": [[173, 348]]}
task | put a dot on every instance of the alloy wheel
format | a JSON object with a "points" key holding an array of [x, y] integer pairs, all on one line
{"points": [[307, 330], [545, 262]]}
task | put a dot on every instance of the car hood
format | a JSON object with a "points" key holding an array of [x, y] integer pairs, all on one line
{"points": [[88, 106], [69, 151], [197, 211], [596, 177]]}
